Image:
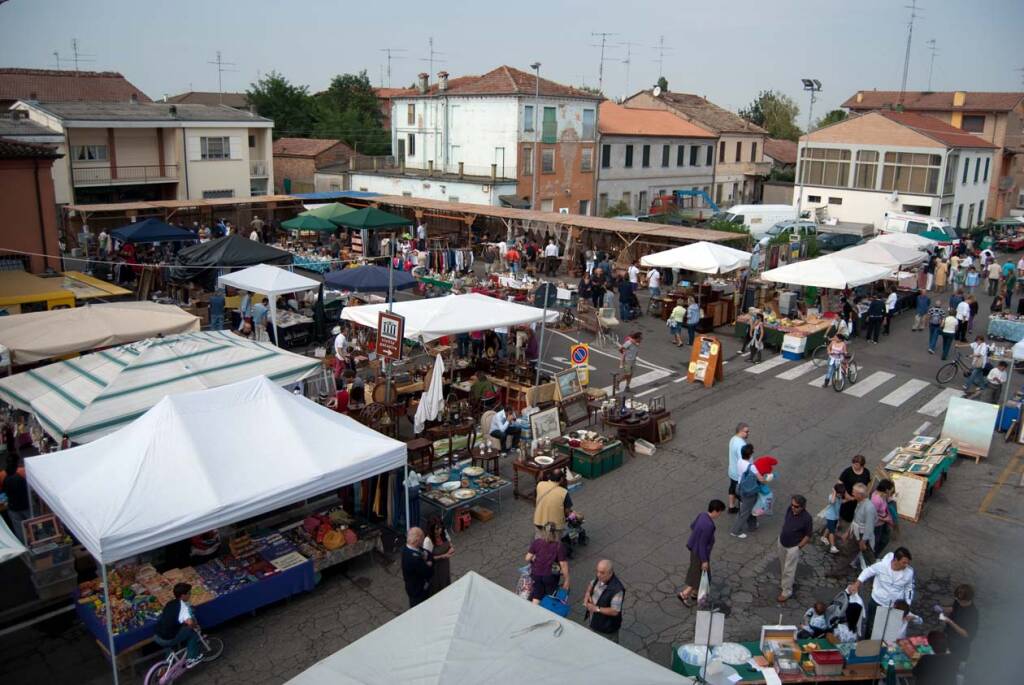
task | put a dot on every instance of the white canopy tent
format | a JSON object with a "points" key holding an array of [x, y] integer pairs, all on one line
{"points": [[475, 631], [918, 242], [886, 254], [43, 335], [429, 319], [177, 471], [703, 257], [90, 396], [271, 281], [10, 546], [828, 272]]}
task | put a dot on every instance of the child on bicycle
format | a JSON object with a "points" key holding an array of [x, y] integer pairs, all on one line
{"points": [[837, 354], [177, 625]]}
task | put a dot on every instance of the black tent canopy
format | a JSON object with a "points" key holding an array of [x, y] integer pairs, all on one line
{"points": [[201, 263]]}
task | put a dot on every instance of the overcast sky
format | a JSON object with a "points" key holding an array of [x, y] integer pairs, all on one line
{"points": [[727, 51]]}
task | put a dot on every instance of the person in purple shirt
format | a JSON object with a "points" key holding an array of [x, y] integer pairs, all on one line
{"points": [[702, 539]]}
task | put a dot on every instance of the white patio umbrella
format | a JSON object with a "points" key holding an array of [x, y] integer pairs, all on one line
{"points": [[433, 399], [828, 272], [886, 254], [913, 240], [703, 257]]}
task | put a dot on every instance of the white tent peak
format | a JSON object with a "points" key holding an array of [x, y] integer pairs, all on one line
{"points": [[269, 280], [828, 272], [702, 256]]}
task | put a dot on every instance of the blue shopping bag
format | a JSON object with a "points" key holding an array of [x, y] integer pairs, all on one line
{"points": [[557, 603]]}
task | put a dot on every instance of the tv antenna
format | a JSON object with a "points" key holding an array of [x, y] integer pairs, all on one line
{"points": [[600, 67], [661, 48], [78, 56], [906, 57], [628, 61], [392, 54], [56, 56], [432, 57], [222, 66], [933, 47]]}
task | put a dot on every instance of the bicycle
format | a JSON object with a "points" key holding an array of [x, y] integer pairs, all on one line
{"points": [[174, 664], [947, 372], [847, 371]]}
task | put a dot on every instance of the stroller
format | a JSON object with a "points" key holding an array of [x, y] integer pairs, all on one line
{"points": [[574, 534], [835, 613]]}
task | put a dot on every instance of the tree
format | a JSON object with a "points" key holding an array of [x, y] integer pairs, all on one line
{"points": [[620, 208], [290, 106], [349, 111], [663, 84], [833, 117], [776, 113]]}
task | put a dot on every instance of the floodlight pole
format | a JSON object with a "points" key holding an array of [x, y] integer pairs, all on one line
{"points": [[543, 327], [391, 308], [812, 86]]}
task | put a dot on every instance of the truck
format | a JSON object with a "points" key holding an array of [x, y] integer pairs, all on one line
{"points": [[687, 205]]}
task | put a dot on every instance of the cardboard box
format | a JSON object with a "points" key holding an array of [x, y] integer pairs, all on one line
{"points": [[481, 513]]}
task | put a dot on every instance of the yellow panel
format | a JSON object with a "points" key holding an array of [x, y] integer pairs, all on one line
{"points": [[957, 119]]}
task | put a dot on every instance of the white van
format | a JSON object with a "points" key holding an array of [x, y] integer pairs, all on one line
{"points": [[758, 219], [896, 222]]}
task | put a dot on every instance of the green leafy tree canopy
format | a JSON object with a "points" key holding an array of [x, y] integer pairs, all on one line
{"points": [[833, 117], [349, 111], [776, 113], [663, 84], [290, 106]]}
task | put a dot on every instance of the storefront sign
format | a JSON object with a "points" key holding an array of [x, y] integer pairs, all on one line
{"points": [[390, 332]]}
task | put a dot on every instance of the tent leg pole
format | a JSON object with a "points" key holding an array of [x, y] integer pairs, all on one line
{"points": [[391, 308], [273, 317], [543, 327], [408, 521], [110, 622]]}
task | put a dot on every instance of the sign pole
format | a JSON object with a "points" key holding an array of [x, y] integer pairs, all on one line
{"points": [[543, 327], [391, 308]]}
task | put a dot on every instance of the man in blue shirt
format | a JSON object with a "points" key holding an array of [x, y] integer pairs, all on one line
{"points": [[692, 319], [259, 319], [921, 306]]}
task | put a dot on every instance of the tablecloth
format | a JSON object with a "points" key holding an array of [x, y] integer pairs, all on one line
{"points": [[1006, 329]]}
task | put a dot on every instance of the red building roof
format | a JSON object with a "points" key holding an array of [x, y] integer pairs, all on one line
{"points": [[51, 85], [616, 120], [936, 129], [934, 101], [782, 151], [304, 147], [13, 149]]}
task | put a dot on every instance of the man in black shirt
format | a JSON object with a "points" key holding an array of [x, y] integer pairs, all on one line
{"points": [[177, 624], [961, 622], [16, 490], [417, 567], [797, 529]]}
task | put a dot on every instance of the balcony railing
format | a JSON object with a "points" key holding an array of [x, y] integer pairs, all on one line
{"points": [[258, 168], [105, 175]]}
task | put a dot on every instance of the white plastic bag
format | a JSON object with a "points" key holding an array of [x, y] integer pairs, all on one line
{"points": [[703, 588]]}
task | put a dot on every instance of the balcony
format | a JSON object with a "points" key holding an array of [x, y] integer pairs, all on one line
{"points": [[258, 168], [83, 176], [746, 168]]}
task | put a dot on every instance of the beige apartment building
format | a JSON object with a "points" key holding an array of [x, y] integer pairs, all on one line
{"points": [[997, 118], [137, 151]]}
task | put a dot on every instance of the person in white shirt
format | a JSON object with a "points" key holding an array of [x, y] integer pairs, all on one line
{"points": [[634, 274], [103, 244], [890, 310], [979, 360], [503, 429], [551, 258], [421, 235], [963, 317], [893, 580], [654, 282], [340, 342], [502, 249], [993, 381]]}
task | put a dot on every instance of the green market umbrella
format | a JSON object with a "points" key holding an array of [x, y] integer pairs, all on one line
{"points": [[372, 218], [329, 212], [306, 222]]}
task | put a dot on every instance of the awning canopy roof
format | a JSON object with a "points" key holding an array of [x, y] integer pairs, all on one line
{"points": [[913, 240], [703, 257], [309, 222], [152, 231], [372, 218], [269, 280], [368, 278], [886, 254], [200, 460], [828, 272], [87, 397], [429, 319], [42, 335], [475, 631], [10, 546], [329, 211]]}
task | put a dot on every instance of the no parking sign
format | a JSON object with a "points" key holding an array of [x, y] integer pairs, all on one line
{"points": [[579, 355]]}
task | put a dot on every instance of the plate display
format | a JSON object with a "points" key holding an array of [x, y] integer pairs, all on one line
{"points": [[437, 478], [464, 493], [451, 485], [473, 471], [544, 461]]}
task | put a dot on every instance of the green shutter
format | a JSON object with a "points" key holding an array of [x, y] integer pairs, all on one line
{"points": [[550, 130]]}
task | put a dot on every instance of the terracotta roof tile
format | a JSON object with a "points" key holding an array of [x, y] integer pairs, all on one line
{"points": [[708, 113], [935, 101], [504, 80], [622, 121], [13, 149], [936, 129], [304, 147], [50, 85], [197, 97], [783, 151]]}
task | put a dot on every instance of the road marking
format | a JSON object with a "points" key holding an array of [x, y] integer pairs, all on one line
{"points": [[904, 392], [866, 385], [923, 427], [646, 392], [561, 359], [940, 402], [1011, 469], [595, 350], [766, 366], [796, 371], [642, 379], [680, 379]]}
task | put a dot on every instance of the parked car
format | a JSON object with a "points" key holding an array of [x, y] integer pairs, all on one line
{"points": [[756, 218], [799, 227], [833, 242]]}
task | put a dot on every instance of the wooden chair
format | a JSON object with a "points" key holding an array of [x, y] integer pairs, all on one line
{"points": [[469, 432], [421, 454], [485, 430]]}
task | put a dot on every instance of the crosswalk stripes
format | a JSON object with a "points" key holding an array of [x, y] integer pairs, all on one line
{"points": [[766, 366], [903, 393], [642, 379], [940, 402], [865, 385], [796, 371]]}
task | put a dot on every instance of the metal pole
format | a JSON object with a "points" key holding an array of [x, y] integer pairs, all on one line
{"points": [[799, 166], [408, 523], [534, 205], [391, 307], [543, 326], [273, 317], [110, 622]]}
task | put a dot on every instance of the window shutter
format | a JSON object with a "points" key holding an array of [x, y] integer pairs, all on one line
{"points": [[236, 147], [193, 148]]}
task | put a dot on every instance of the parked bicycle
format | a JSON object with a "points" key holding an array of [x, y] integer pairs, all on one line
{"points": [[947, 372], [846, 373], [174, 665]]}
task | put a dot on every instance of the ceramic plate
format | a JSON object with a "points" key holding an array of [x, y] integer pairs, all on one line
{"points": [[437, 478], [451, 485], [465, 493], [473, 471], [544, 461]]}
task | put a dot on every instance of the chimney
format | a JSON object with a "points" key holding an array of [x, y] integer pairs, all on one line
{"points": [[959, 98], [134, 98], [461, 169], [421, 83], [860, 97], [352, 163], [430, 167], [173, 110], [442, 80]]}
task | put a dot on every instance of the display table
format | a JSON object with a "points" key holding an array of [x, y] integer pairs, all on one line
{"points": [[538, 471], [222, 608], [774, 333], [487, 486], [629, 430], [1007, 329]]}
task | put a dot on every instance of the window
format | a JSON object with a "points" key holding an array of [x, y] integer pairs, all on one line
{"points": [[693, 155], [814, 198], [606, 156], [641, 203], [584, 207], [215, 148], [721, 150], [335, 186], [987, 161], [866, 170], [753, 152], [739, 150], [547, 205], [952, 164], [587, 160], [588, 124], [1020, 200], [410, 145], [835, 200], [645, 159], [214, 194], [970, 215], [681, 155], [967, 168], [406, 193], [549, 132], [626, 198], [629, 157], [911, 172], [981, 212], [89, 153], [718, 194], [977, 168], [453, 198], [602, 203], [959, 216], [528, 118], [821, 166], [410, 114], [973, 123], [547, 160], [711, 155], [252, 142], [527, 160], [735, 192], [666, 153]]}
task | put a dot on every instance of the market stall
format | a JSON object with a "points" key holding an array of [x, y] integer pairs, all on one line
{"points": [[43, 335], [218, 477], [202, 263], [829, 271], [10, 546], [152, 231], [475, 631], [93, 395], [271, 281], [1006, 327], [918, 469], [886, 254]]}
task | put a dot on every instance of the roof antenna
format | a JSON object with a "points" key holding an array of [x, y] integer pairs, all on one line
{"points": [[933, 46], [906, 57], [222, 66], [600, 67]]}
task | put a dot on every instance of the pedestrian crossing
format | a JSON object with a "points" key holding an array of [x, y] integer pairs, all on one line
{"points": [[874, 383]]}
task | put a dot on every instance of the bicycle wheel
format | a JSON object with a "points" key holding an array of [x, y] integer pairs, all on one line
{"points": [[155, 673], [214, 648], [819, 356], [838, 380], [852, 373], [946, 373]]}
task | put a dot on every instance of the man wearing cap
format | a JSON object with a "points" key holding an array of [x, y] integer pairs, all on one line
{"points": [[340, 343]]}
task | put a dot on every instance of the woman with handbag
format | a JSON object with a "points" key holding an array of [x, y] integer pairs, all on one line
{"points": [[756, 338], [438, 542], [549, 565]]}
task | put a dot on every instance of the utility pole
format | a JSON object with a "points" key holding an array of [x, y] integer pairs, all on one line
{"points": [[661, 49], [78, 56], [222, 66], [392, 54], [56, 56], [600, 67], [628, 61], [432, 56], [906, 57], [932, 45]]}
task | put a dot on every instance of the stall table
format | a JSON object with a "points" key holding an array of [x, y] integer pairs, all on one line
{"points": [[1007, 329], [538, 471], [493, 494], [593, 464], [449, 432], [774, 333], [629, 431]]}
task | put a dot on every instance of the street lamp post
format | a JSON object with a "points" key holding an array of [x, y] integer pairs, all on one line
{"points": [[812, 86], [536, 136]]}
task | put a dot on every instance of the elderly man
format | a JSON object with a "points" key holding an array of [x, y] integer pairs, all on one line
{"points": [[865, 519], [417, 567], [603, 601], [894, 580], [797, 529]]}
